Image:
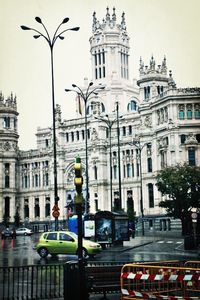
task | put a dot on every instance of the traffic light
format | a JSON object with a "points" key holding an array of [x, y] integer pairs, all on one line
{"points": [[78, 180]]}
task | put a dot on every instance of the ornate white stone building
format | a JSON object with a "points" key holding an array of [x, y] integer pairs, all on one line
{"points": [[164, 118]]}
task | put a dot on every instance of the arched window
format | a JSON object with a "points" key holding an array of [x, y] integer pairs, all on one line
{"points": [[198, 138], [47, 209], [36, 180], [181, 112], [26, 211], [6, 122], [92, 106], [147, 92], [129, 129], [191, 156], [115, 172], [124, 130], [67, 137], [102, 107], [7, 181], [183, 138], [132, 106], [88, 133], [46, 179], [197, 113], [189, 114], [151, 195], [128, 170], [77, 135], [160, 89], [149, 164], [37, 208], [25, 181], [95, 173], [83, 134]]}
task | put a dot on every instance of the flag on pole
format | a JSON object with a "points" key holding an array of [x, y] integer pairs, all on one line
{"points": [[79, 104]]}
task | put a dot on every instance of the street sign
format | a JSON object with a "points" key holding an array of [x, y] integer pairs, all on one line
{"points": [[55, 210], [55, 214]]}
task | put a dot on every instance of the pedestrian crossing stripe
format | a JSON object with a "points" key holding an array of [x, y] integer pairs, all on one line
{"points": [[169, 242]]}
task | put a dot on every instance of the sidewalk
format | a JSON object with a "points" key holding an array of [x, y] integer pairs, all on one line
{"points": [[148, 238]]}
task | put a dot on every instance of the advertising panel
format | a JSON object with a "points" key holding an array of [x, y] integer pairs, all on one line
{"points": [[104, 230], [89, 228], [121, 230]]}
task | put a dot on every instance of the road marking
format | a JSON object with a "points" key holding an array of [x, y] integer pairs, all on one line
{"points": [[169, 242]]}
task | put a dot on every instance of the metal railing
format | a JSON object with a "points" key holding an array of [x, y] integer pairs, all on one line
{"points": [[47, 281], [36, 281], [31, 282]]}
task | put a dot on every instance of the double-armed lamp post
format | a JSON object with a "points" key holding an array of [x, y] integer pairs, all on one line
{"points": [[119, 160], [109, 124], [85, 95], [139, 147], [51, 42]]}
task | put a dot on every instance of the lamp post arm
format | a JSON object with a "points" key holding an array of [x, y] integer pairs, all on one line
{"points": [[54, 36], [60, 34], [40, 34], [92, 91], [112, 122], [48, 36], [87, 94], [80, 93]]}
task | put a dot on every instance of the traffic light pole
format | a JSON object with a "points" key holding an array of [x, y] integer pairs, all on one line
{"points": [[78, 201]]}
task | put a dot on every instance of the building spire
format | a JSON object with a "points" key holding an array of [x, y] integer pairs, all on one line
{"points": [[107, 14], [123, 22], [141, 69], [152, 63], [171, 81], [114, 15], [94, 18], [164, 66], [94, 22]]}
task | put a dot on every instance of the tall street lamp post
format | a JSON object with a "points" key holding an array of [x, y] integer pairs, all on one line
{"points": [[119, 162], [139, 147], [51, 43], [85, 96], [109, 124]]}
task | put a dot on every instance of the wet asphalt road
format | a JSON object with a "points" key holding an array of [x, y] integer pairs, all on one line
{"points": [[21, 252]]}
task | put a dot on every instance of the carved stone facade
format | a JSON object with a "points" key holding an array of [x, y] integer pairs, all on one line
{"points": [[165, 119]]}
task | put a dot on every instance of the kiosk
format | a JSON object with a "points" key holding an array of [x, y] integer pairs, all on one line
{"points": [[111, 228]]}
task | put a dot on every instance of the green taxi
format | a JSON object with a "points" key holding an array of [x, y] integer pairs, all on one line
{"points": [[64, 242]]}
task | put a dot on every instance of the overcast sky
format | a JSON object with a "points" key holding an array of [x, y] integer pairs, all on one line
{"points": [[158, 27]]}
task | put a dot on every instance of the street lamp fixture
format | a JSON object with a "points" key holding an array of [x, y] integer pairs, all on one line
{"points": [[109, 124], [85, 95], [51, 43], [139, 147]]}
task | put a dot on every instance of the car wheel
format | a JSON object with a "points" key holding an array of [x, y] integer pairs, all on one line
{"points": [[43, 252], [85, 253], [25, 233]]}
